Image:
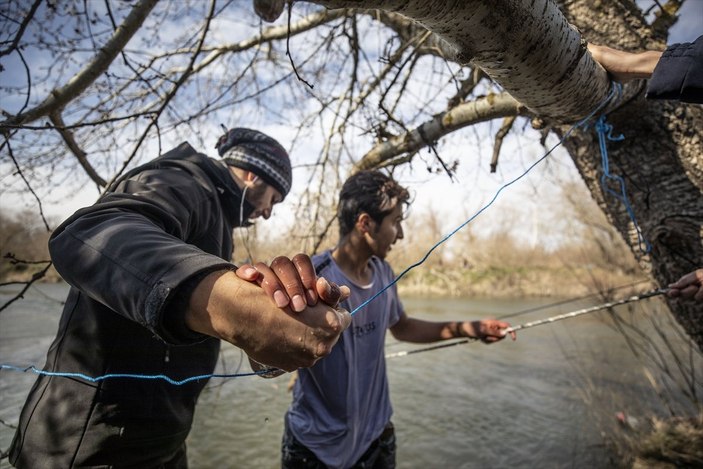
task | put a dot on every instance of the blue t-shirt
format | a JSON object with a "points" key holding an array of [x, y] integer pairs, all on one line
{"points": [[341, 405]]}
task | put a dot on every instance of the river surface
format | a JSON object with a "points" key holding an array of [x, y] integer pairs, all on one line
{"points": [[548, 400]]}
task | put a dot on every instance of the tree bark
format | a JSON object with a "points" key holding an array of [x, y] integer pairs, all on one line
{"points": [[661, 160]]}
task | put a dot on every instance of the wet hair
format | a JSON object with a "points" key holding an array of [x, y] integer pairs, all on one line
{"points": [[371, 192]]}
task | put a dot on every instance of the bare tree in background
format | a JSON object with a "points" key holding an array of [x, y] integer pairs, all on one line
{"points": [[92, 88]]}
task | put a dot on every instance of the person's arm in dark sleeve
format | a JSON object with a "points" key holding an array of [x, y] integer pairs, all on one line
{"points": [[128, 250], [676, 73], [679, 73]]}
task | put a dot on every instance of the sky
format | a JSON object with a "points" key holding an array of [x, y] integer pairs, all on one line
{"points": [[523, 206]]}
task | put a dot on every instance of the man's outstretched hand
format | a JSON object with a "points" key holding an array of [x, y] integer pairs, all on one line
{"points": [[241, 311]]}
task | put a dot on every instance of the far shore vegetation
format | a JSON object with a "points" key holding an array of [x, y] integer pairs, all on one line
{"points": [[589, 257]]}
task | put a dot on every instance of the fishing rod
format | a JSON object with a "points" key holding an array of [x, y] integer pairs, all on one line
{"points": [[527, 325], [607, 291]]}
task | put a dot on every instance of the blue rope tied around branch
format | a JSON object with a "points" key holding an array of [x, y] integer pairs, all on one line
{"points": [[605, 134], [582, 123]]}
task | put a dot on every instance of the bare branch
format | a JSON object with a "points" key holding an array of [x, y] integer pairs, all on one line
{"points": [[483, 109], [25, 21], [290, 7], [504, 129], [21, 174], [35, 277], [70, 141], [466, 87], [59, 97], [172, 92]]}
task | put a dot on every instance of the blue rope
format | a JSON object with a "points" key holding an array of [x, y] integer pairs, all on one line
{"points": [[604, 131], [97, 379], [581, 123]]}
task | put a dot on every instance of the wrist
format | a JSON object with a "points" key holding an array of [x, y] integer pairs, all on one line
{"points": [[644, 63], [469, 329], [211, 310], [264, 371]]}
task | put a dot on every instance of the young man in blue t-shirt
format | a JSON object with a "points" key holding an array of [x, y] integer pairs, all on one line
{"points": [[341, 410]]}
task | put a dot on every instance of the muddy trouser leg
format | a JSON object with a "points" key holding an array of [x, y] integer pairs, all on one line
{"points": [[381, 453], [386, 444], [295, 455]]}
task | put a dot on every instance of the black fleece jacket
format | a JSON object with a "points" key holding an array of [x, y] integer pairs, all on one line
{"points": [[128, 259], [679, 73]]}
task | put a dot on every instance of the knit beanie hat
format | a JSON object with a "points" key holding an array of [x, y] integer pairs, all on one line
{"points": [[257, 152]]}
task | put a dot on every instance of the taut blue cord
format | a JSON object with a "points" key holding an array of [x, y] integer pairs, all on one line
{"points": [[97, 379]]}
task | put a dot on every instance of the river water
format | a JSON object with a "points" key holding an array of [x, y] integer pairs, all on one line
{"points": [[548, 400]]}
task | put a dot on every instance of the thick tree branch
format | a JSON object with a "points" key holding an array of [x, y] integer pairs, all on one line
{"points": [[481, 110], [561, 82]]}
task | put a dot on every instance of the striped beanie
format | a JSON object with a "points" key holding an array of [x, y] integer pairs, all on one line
{"points": [[257, 152]]}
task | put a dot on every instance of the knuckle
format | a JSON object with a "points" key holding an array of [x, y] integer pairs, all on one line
{"points": [[280, 262], [301, 259], [336, 326], [323, 349]]}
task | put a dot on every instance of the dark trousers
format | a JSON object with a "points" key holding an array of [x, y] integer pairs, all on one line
{"points": [[380, 455]]}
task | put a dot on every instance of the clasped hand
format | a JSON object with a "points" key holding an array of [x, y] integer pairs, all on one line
{"points": [[303, 297]]}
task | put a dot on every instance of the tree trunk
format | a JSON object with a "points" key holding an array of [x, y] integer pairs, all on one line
{"points": [[661, 160], [530, 49]]}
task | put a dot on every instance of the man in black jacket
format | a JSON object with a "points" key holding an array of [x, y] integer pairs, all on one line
{"points": [[152, 293]]}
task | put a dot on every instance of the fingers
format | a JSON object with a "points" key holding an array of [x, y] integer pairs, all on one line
{"points": [[492, 330], [686, 280], [344, 316], [290, 282], [692, 291], [249, 273], [307, 274], [502, 325], [688, 286], [293, 283], [289, 277], [268, 281], [330, 292]]}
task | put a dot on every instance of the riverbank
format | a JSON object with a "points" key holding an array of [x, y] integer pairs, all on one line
{"points": [[488, 282], [521, 282]]}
